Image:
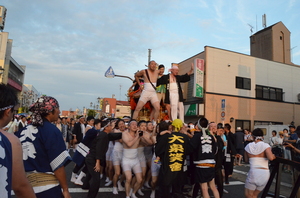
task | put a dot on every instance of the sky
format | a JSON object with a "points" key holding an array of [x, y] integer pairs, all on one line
{"points": [[68, 45]]}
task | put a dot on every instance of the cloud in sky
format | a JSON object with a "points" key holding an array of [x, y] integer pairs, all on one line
{"points": [[68, 45]]}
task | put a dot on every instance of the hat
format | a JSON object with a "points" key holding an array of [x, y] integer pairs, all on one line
{"points": [[280, 132], [177, 123], [239, 129], [298, 130]]}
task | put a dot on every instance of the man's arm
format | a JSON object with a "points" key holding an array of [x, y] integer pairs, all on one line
{"points": [[191, 70], [128, 141], [60, 174], [20, 184], [137, 77]]}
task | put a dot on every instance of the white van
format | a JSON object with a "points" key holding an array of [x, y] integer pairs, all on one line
{"points": [[267, 129]]}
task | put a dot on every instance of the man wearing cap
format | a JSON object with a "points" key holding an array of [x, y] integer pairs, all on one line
{"points": [[12, 174], [174, 95], [150, 76], [44, 151], [172, 150]]}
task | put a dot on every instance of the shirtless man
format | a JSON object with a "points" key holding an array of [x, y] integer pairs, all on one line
{"points": [[131, 140], [145, 141], [149, 92]]}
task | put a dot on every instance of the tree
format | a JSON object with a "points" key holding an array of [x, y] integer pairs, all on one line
{"points": [[91, 112]]}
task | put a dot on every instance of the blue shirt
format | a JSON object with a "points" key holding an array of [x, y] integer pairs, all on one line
{"points": [[44, 149], [5, 166]]}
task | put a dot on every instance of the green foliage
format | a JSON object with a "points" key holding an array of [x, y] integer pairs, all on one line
{"points": [[91, 112]]}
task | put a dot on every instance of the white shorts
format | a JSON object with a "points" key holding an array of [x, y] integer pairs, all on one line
{"points": [[109, 153], [117, 156], [130, 161], [257, 179], [148, 96], [148, 153], [154, 167], [141, 157]]}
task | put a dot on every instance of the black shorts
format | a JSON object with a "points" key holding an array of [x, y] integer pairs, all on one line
{"points": [[203, 175]]}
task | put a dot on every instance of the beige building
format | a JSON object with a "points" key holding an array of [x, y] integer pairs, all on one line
{"points": [[245, 90], [11, 73]]}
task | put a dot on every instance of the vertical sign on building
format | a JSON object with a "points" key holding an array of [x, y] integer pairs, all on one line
{"points": [[223, 106], [198, 78]]}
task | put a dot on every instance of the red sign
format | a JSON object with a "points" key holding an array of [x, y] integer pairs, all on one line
{"points": [[14, 84]]}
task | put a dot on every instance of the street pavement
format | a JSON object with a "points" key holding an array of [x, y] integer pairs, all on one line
{"points": [[235, 188]]}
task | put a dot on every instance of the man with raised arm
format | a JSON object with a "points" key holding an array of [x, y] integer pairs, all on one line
{"points": [[150, 76], [130, 162]]}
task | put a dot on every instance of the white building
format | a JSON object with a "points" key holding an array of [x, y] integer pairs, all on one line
{"points": [[244, 90]]}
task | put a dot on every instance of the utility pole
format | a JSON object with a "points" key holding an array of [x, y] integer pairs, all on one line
{"points": [[149, 55]]}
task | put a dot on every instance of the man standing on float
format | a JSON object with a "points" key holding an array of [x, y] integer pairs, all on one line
{"points": [[174, 95], [150, 76]]}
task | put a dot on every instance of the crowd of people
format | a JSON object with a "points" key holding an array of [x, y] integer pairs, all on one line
{"points": [[132, 154]]}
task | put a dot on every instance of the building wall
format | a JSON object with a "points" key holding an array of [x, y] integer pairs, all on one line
{"points": [[250, 109], [221, 69], [261, 44], [281, 46], [122, 110]]}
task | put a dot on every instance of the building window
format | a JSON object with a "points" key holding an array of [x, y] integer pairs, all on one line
{"points": [[243, 83], [258, 122], [244, 124], [269, 93]]}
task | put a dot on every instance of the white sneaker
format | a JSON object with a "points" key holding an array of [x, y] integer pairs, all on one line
{"points": [[146, 184], [78, 182], [140, 192], [115, 191], [133, 196], [73, 178], [152, 195], [107, 179], [108, 183], [120, 187], [130, 192]]}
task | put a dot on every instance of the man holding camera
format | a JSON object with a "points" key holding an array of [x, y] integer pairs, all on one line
{"points": [[130, 162]]}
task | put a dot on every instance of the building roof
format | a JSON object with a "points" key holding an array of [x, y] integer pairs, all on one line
{"points": [[124, 103], [270, 27]]}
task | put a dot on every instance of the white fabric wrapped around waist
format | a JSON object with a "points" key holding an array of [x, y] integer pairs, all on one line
{"points": [[130, 153], [148, 87], [173, 87], [118, 146], [259, 162]]}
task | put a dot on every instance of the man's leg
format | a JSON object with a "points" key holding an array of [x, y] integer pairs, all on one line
{"points": [[213, 188], [174, 105], [138, 108], [181, 111], [138, 182], [128, 176], [156, 107]]}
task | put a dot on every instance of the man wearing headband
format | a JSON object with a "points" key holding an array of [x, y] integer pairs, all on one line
{"points": [[172, 150], [204, 149], [42, 143], [97, 155], [12, 172], [130, 162], [258, 153], [174, 95], [150, 76]]}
